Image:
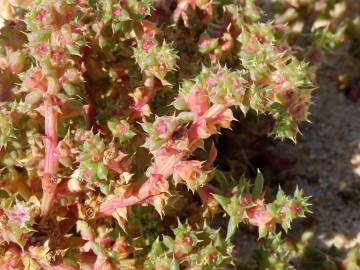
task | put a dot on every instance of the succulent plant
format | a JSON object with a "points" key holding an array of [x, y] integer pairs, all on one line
{"points": [[105, 107]]}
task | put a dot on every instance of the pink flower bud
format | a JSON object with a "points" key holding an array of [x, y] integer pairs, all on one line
{"points": [[162, 68], [213, 257], [289, 94], [198, 101], [41, 14], [36, 80], [212, 57], [165, 124], [188, 170], [142, 9], [88, 173], [57, 55], [19, 215], [260, 38], [201, 130], [205, 42], [83, 137], [120, 128], [147, 45], [295, 208], [245, 200], [161, 127], [279, 27], [221, 74], [24, 237], [258, 215], [42, 49], [75, 29], [187, 240], [211, 81], [116, 11]]}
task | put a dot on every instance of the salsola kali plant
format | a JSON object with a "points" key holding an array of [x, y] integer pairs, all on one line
{"points": [[108, 113]]}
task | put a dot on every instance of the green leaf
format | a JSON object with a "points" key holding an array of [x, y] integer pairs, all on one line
{"points": [[168, 242], [262, 231], [156, 249], [38, 36], [70, 89], [102, 171], [285, 125], [222, 200], [74, 50], [4, 193], [232, 226], [104, 188], [89, 166], [33, 97], [174, 265], [124, 16], [221, 179], [259, 185]]}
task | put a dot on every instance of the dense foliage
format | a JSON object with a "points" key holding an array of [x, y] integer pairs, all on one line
{"points": [[107, 119]]}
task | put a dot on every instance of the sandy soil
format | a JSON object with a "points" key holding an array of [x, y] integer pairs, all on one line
{"points": [[328, 169]]}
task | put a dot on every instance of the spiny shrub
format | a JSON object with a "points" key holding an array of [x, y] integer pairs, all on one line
{"points": [[107, 116]]}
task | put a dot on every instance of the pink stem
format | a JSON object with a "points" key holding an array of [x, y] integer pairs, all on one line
{"points": [[109, 207], [49, 179], [205, 192], [136, 107], [143, 194]]}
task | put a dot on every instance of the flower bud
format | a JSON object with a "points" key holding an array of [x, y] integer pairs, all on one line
{"points": [[17, 61], [258, 215], [198, 101], [245, 199], [190, 172]]}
